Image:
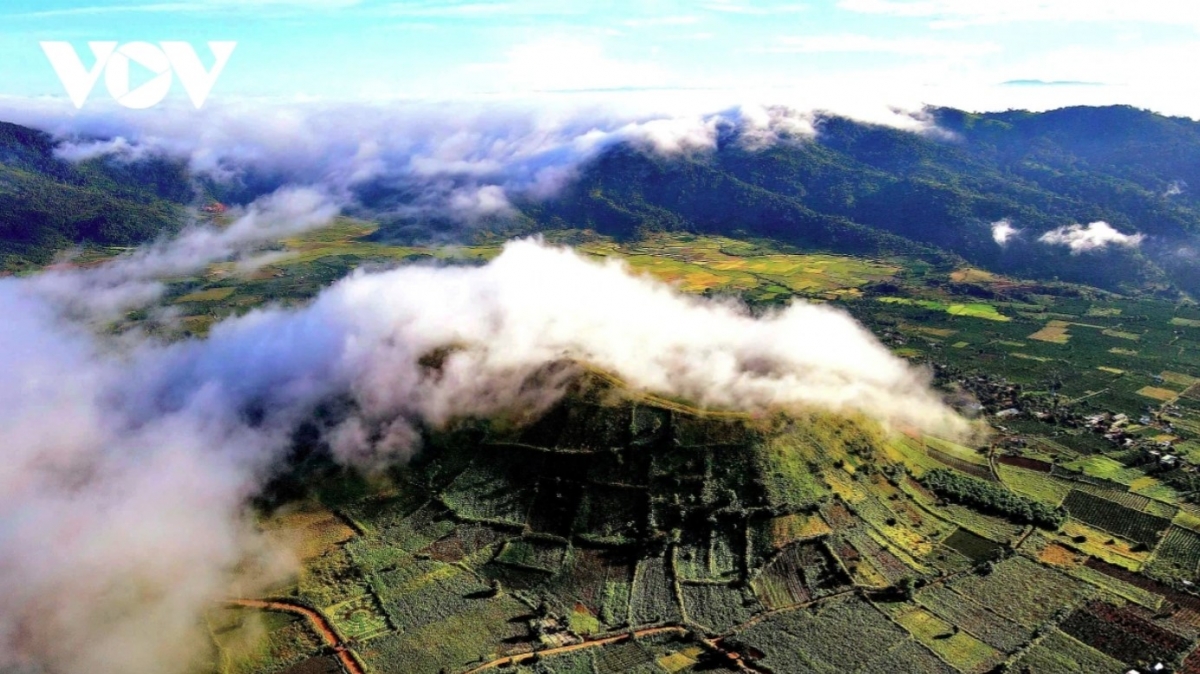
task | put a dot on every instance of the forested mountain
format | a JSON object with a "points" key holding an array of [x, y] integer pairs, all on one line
{"points": [[861, 188], [854, 187], [47, 203]]}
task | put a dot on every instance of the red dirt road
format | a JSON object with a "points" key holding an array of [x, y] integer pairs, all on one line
{"points": [[319, 623]]}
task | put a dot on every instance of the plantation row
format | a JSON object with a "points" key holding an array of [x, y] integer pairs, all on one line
{"points": [[1114, 518]]}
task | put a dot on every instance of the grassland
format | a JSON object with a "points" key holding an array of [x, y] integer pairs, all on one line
{"points": [[960, 649], [1058, 653], [827, 639], [1023, 591], [973, 309]]}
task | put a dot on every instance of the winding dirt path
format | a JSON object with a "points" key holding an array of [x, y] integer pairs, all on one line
{"points": [[319, 623], [521, 657]]}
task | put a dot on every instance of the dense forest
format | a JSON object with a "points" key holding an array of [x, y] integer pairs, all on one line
{"points": [[872, 189]]}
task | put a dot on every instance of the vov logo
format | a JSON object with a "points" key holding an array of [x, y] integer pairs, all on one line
{"points": [[161, 60]]}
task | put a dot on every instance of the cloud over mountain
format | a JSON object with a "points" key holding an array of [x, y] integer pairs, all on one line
{"points": [[123, 497], [1095, 236], [1003, 231]]}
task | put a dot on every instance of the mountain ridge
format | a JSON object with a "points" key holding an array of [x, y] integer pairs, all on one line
{"points": [[854, 187]]}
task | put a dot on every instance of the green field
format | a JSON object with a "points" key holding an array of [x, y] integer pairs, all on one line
{"points": [[973, 310]]}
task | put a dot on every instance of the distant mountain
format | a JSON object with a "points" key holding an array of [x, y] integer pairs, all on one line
{"points": [[855, 188], [49, 203], [859, 187]]}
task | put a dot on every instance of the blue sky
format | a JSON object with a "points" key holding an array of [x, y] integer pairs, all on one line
{"points": [[954, 51]]}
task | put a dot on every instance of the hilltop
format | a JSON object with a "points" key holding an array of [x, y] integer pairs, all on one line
{"points": [[621, 532]]}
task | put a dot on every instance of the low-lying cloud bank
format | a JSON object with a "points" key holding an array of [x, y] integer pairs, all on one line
{"points": [[1076, 238], [458, 160], [134, 280], [129, 464], [1095, 236]]}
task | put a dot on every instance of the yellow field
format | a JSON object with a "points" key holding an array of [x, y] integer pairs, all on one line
{"points": [[1055, 332], [310, 530], [1119, 551], [675, 662], [936, 332], [198, 325], [955, 450], [1187, 519], [701, 263], [1038, 486], [694, 264], [1162, 394], [1110, 370], [788, 528], [971, 275], [959, 648], [1178, 378], [1056, 555]]}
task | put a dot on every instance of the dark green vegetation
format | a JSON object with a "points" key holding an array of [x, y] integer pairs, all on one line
{"points": [[619, 512], [991, 498], [804, 543], [855, 188], [47, 204], [621, 532], [866, 189], [1131, 524]]}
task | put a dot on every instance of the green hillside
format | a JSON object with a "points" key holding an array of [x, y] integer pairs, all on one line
{"points": [[620, 532], [50, 204], [854, 188], [859, 188]]}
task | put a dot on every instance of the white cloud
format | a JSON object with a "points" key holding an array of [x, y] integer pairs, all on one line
{"points": [[437, 154], [567, 64], [223, 6], [750, 7], [472, 204], [865, 44], [134, 280], [675, 20], [1096, 236], [762, 126], [128, 465], [959, 13], [670, 136], [1003, 232], [453, 9], [119, 148]]}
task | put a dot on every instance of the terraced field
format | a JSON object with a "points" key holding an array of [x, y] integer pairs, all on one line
{"points": [[806, 543]]}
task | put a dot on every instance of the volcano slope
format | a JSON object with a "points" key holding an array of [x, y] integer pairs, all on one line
{"points": [[620, 532]]}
